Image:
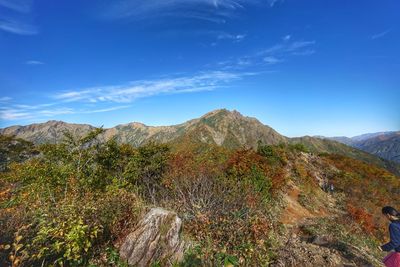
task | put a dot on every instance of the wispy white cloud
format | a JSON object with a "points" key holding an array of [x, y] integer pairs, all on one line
{"points": [[55, 112], [5, 99], [42, 111], [14, 114], [33, 107], [129, 92], [233, 37], [288, 47], [306, 52], [216, 37], [103, 98], [209, 10], [18, 21], [34, 62], [272, 60], [11, 111], [106, 109], [379, 35], [295, 46], [274, 2], [221, 36], [17, 27], [275, 54], [23, 6], [286, 37], [77, 95]]}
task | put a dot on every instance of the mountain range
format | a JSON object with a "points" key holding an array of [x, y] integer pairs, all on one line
{"points": [[221, 127], [382, 144], [225, 128]]}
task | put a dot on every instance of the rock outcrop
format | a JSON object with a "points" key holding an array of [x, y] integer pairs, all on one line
{"points": [[155, 239]]}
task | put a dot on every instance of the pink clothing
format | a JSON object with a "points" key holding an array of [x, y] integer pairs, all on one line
{"points": [[392, 260]]}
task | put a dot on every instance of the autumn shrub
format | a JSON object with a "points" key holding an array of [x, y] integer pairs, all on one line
{"points": [[240, 235], [118, 210], [252, 172], [72, 203], [74, 198], [58, 234], [361, 216], [196, 185], [73, 230], [203, 197], [145, 168], [224, 205], [367, 188]]}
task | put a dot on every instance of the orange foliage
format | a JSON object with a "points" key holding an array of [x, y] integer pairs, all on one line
{"points": [[242, 161], [367, 185], [279, 179], [362, 217], [259, 228]]}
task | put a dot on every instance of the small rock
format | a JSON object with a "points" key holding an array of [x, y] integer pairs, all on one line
{"points": [[320, 240]]}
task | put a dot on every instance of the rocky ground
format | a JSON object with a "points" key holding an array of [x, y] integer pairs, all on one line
{"points": [[303, 250]]}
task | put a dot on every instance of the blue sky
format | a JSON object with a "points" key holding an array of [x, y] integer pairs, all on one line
{"points": [[303, 67]]}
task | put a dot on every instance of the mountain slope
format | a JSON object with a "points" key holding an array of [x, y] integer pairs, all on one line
{"points": [[14, 150], [231, 130], [49, 132], [221, 127], [276, 196], [382, 144], [386, 146], [341, 139], [320, 145]]}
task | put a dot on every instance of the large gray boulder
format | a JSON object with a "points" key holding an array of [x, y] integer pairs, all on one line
{"points": [[156, 238]]}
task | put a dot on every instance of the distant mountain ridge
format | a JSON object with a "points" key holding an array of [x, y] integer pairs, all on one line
{"points": [[48, 132], [221, 127], [382, 144]]}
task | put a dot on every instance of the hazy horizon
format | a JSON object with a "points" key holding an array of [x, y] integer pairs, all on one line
{"points": [[313, 68]]}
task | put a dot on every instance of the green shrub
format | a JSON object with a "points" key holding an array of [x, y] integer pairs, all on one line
{"points": [[271, 153], [113, 258], [260, 184], [192, 258], [146, 167], [64, 236], [299, 147]]}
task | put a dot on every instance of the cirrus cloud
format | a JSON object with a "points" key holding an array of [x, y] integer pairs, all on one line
{"points": [[126, 93], [209, 10], [18, 19], [108, 98]]}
